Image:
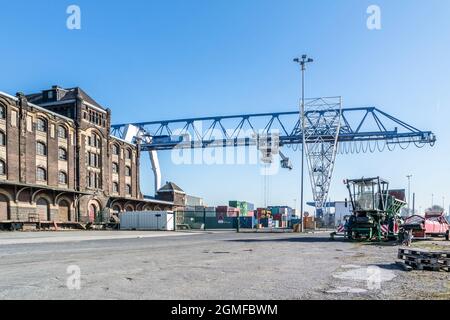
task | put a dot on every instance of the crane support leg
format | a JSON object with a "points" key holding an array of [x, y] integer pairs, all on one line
{"points": [[155, 168]]}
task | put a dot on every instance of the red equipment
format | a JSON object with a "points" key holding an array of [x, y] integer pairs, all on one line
{"points": [[433, 224]]}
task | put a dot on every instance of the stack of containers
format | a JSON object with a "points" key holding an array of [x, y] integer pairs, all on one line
{"points": [[281, 215], [225, 211], [264, 217], [246, 208], [284, 212]]}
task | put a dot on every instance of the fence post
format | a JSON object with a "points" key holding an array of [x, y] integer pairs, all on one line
{"points": [[175, 220], [204, 219], [238, 222]]}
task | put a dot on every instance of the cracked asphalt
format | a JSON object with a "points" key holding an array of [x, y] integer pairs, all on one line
{"points": [[208, 265]]}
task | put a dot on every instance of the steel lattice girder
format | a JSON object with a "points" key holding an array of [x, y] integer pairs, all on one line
{"points": [[239, 130]]}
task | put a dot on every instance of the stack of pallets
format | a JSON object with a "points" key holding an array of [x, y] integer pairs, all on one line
{"points": [[425, 260]]}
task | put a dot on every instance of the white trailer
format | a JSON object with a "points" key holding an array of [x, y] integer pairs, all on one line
{"points": [[147, 220]]}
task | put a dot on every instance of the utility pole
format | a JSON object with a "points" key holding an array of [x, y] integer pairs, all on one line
{"points": [[303, 61], [409, 193]]}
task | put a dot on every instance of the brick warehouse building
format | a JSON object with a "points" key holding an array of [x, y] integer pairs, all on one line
{"points": [[58, 161]]}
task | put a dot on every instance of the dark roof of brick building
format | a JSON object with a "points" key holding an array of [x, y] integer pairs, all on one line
{"points": [[63, 95], [170, 187]]}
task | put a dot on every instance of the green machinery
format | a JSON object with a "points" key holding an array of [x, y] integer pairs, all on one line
{"points": [[376, 210]]}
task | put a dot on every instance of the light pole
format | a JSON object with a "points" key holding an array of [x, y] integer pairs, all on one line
{"points": [[303, 61], [409, 193]]}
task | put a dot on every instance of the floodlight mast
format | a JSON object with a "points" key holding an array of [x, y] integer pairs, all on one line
{"points": [[302, 61]]}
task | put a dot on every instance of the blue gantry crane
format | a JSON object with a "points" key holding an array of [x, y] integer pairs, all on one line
{"points": [[329, 130]]}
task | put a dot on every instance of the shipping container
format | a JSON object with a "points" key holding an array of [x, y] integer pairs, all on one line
{"points": [[266, 222], [247, 222], [147, 220]]}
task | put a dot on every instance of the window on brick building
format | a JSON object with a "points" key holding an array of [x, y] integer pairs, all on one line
{"points": [[41, 174], [129, 154], [2, 138], [115, 168], [2, 112], [115, 149], [62, 154], [127, 171], [115, 187], [41, 125], [41, 149], [95, 141], [2, 168], [62, 132], [62, 177], [128, 189]]}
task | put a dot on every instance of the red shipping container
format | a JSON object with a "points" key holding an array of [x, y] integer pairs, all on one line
{"points": [[277, 217]]}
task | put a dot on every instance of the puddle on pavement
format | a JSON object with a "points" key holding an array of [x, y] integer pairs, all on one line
{"points": [[372, 276], [357, 273]]}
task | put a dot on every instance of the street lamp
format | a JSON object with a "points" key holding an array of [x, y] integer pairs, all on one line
{"points": [[303, 61], [409, 193]]}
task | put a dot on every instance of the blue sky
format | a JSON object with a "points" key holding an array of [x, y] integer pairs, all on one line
{"points": [[150, 60]]}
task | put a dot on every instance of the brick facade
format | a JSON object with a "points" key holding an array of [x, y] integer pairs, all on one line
{"points": [[56, 160]]}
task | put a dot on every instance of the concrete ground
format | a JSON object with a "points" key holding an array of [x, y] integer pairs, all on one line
{"points": [[207, 265]]}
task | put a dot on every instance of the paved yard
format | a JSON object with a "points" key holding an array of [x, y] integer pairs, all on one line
{"points": [[217, 265]]}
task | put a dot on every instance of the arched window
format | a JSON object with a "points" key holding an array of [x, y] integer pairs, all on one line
{"points": [[2, 112], [62, 154], [127, 171], [41, 174], [62, 132], [116, 209], [41, 125], [2, 138], [128, 189], [62, 177], [41, 148], [115, 167], [115, 187], [115, 149], [2, 168], [129, 154], [95, 141]]}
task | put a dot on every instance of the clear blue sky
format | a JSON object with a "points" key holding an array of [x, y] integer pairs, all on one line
{"points": [[149, 60]]}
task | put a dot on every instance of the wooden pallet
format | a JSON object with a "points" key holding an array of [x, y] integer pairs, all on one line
{"points": [[418, 259], [422, 266], [424, 253], [425, 260]]}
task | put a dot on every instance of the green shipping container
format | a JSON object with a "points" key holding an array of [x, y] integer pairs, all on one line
{"points": [[241, 205]]}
